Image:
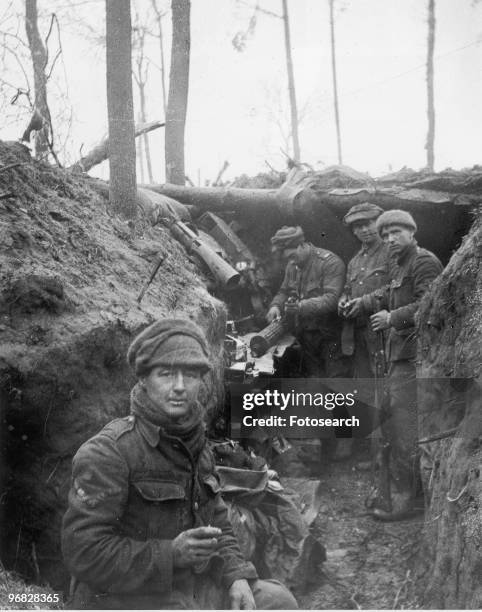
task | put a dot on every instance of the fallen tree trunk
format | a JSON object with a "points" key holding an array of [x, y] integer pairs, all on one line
{"points": [[318, 202], [292, 198], [101, 151], [154, 206]]}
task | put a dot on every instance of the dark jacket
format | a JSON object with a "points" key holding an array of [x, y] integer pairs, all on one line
{"points": [[411, 276], [133, 491], [318, 286]]}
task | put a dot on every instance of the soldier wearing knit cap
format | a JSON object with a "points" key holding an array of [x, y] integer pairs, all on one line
{"points": [[146, 527], [411, 273]]}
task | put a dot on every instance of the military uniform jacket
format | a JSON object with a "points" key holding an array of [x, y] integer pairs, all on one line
{"points": [[318, 285], [134, 489], [410, 277]]}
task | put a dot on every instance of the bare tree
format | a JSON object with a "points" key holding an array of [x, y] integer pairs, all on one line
{"points": [[122, 148], [239, 43], [335, 85], [178, 92], [39, 62], [430, 144], [159, 16], [140, 75], [291, 83]]}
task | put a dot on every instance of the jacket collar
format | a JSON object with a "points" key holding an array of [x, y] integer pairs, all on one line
{"points": [[407, 252], [377, 243], [149, 431]]}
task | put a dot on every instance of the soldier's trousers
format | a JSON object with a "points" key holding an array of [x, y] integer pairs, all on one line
{"points": [[401, 427]]}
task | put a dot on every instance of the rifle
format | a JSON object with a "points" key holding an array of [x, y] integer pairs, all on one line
{"points": [[380, 447], [224, 274]]}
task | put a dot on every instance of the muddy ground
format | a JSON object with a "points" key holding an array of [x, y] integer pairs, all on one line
{"points": [[369, 563]]}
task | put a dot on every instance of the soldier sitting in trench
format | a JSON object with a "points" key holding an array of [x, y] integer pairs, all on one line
{"points": [[146, 527]]}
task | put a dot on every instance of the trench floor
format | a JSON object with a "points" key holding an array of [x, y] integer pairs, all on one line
{"points": [[368, 562]]}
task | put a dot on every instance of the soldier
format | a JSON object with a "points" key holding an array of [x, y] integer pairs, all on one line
{"points": [[367, 271], [146, 527], [412, 270], [308, 298], [313, 282]]}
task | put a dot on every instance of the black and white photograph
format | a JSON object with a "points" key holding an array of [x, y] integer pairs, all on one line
{"points": [[240, 304]]}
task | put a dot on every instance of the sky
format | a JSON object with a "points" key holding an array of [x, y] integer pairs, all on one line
{"points": [[238, 101]]}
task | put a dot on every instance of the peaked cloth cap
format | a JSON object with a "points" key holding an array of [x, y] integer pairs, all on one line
{"points": [[396, 217], [169, 342], [362, 211], [287, 238]]}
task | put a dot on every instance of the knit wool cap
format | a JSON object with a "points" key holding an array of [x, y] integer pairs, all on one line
{"points": [[396, 217], [170, 343], [362, 211], [287, 238]]}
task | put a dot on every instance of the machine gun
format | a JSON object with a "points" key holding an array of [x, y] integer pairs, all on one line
{"points": [[252, 276], [222, 271]]}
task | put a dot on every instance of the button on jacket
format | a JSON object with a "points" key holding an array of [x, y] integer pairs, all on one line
{"points": [[411, 276], [318, 286], [134, 489], [368, 270]]}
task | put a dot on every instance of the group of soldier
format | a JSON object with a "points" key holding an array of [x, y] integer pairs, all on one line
{"points": [[146, 526], [360, 319]]}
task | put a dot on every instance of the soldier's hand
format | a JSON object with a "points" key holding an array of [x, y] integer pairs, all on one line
{"points": [[292, 308], [380, 320], [273, 314], [241, 596], [194, 546], [353, 308], [342, 304]]}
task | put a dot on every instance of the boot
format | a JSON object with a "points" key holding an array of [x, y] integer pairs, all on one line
{"points": [[403, 506]]}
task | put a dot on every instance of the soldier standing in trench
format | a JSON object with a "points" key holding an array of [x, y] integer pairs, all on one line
{"points": [[366, 272], [308, 297], [146, 527], [412, 270]]}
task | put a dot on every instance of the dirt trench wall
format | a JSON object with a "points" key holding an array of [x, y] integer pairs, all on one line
{"points": [[449, 566], [69, 278]]}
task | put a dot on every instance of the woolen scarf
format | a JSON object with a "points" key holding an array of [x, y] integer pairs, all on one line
{"points": [[189, 429]]}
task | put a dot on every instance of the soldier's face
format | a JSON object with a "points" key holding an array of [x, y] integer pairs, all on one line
{"points": [[174, 390], [365, 230], [297, 255], [397, 237]]}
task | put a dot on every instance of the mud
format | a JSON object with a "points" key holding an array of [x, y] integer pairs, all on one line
{"points": [[369, 564]]}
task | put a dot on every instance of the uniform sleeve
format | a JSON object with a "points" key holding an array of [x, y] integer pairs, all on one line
{"points": [[426, 269], [376, 300], [235, 565], [333, 282], [283, 293], [94, 550]]}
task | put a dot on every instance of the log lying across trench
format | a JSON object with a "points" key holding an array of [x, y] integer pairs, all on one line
{"points": [[319, 201]]}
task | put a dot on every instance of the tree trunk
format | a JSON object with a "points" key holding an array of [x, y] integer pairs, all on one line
{"points": [[335, 85], [122, 148], [430, 92], [145, 136], [139, 158], [291, 84], [39, 62], [178, 91], [161, 46]]}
